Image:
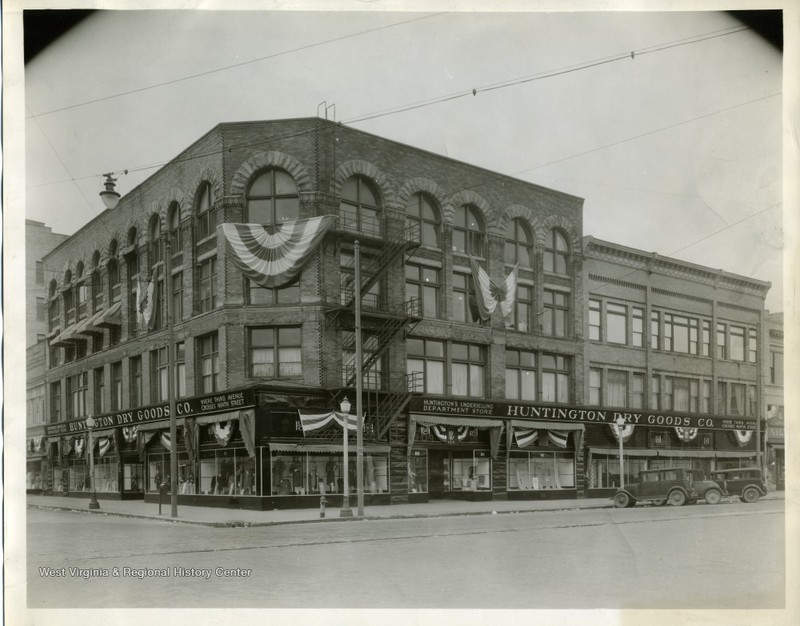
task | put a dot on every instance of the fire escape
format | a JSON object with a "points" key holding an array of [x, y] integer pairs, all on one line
{"points": [[385, 394]]}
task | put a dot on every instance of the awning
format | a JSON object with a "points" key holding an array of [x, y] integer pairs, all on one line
{"points": [[106, 432], [735, 455], [91, 327], [540, 425], [71, 335], [692, 453], [369, 448], [216, 418], [111, 317], [472, 422], [625, 452]]}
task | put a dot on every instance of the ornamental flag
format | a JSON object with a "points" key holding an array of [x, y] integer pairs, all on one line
{"points": [[144, 304], [488, 294], [272, 256], [312, 420], [525, 436]]}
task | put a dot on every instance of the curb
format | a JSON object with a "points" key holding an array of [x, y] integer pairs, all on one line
{"points": [[247, 524]]}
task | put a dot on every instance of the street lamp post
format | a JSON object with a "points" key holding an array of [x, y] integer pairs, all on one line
{"points": [[359, 388], [345, 511], [93, 503], [620, 425]]}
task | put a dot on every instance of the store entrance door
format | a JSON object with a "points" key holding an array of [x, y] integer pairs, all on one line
{"points": [[437, 460]]}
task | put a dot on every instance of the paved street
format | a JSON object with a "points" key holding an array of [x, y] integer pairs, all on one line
{"points": [[691, 557]]}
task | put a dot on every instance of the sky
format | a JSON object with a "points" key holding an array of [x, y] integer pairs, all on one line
{"points": [[675, 149]]}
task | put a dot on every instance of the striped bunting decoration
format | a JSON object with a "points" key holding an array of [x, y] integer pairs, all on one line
{"points": [[272, 256], [558, 437], [312, 420], [525, 436], [105, 444]]}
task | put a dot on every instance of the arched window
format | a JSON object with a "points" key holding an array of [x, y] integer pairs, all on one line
{"points": [[175, 231], [556, 253], [205, 211], [156, 242], [469, 234], [519, 244], [272, 198], [422, 220], [359, 209]]}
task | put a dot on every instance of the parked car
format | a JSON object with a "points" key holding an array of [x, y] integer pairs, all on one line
{"points": [[747, 483], [675, 485]]}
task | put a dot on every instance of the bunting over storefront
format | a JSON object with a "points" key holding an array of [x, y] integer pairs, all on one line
{"points": [[273, 256]]}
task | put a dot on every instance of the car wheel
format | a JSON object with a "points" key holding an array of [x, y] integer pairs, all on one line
{"points": [[676, 498], [621, 500], [750, 495], [659, 502], [713, 496]]}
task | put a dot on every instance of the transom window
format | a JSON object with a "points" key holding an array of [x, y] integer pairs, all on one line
{"points": [[468, 231], [359, 209], [519, 244], [422, 220], [273, 198]]}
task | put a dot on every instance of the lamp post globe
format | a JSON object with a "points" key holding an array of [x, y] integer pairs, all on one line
{"points": [[93, 503]]}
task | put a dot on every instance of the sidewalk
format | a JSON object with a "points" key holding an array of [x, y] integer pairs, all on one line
{"points": [[220, 517]]}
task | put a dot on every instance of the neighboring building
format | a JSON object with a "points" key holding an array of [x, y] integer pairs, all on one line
{"points": [[773, 390], [678, 347], [37, 470], [473, 317], [39, 240]]}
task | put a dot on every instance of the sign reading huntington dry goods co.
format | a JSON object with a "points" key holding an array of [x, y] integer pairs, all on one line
{"points": [[188, 407], [585, 415]]}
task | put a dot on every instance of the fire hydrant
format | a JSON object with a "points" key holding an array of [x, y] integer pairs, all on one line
{"points": [[322, 503]]}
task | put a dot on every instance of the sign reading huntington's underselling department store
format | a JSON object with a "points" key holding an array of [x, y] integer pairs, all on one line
{"points": [[185, 407], [584, 415]]}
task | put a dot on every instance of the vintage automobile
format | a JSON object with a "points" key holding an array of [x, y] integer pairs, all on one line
{"points": [[675, 485], [746, 482]]}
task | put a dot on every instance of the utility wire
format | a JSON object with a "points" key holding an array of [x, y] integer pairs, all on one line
{"points": [[236, 65]]}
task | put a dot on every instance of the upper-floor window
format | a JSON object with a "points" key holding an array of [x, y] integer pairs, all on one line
{"points": [[275, 352], [175, 231], [206, 212], [522, 313], [422, 220], [208, 363], [469, 233], [98, 295], [287, 294], [39, 272], [360, 209], [680, 333], [425, 365], [180, 369], [519, 244], [77, 392], [99, 391], [135, 381], [272, 198], [464, 307], [555, 318], [114, 281], [556, 377], [156, 241], [467, 368], [520, 375], [158, 375], [55, 402], [207, 283], [737, 336], [116, 386], [556, 253], [422, 287]]}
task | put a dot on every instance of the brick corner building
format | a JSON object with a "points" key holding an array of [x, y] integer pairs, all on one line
{"points": [[478, 317]]}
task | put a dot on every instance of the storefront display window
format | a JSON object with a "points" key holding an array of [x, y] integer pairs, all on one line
{"points": [[78, 475], [132, 474], [418, 472], [105, 475], [158, 472], [323, 472], [531, 471], [226, 472], [472, 472]]}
